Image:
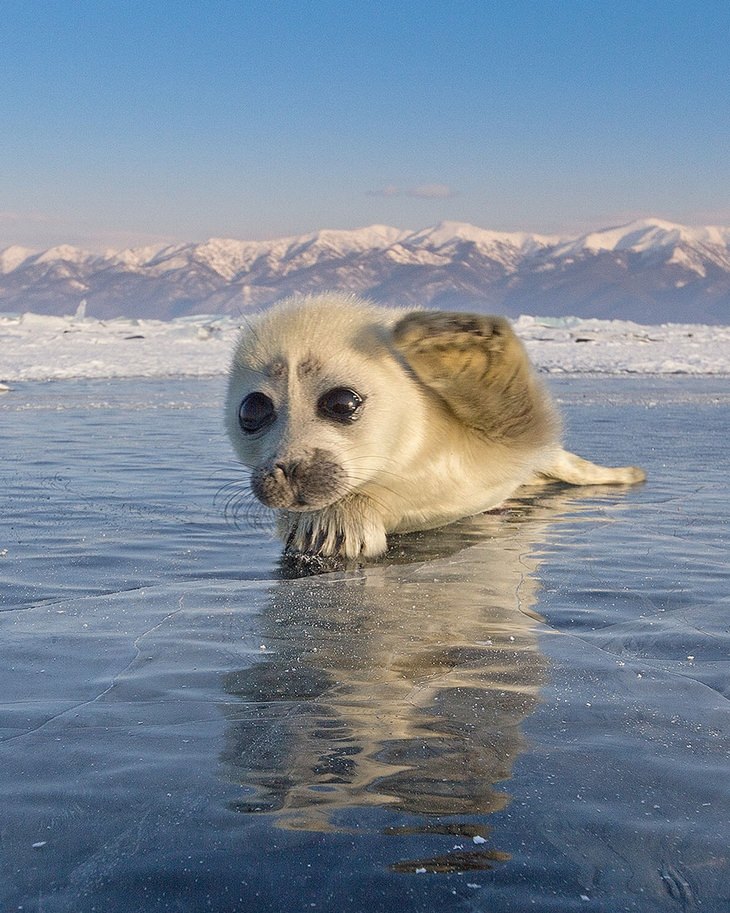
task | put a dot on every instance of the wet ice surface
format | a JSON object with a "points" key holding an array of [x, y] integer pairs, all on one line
{"points": [[185, 728]]}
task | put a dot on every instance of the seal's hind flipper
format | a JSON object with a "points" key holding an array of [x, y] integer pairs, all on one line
{"points": [[567, 467]]}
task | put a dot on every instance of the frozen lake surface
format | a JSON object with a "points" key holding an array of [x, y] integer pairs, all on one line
{"points": [[523, 711]]}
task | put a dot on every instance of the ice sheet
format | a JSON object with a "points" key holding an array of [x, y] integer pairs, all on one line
{"points": [[185, 727], [34, 347]]}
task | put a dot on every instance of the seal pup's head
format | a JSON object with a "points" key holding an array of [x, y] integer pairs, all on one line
{"points": [[317, 405]]}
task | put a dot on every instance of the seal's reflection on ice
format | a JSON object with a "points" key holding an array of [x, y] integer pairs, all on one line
{"points": [[401, 684]]}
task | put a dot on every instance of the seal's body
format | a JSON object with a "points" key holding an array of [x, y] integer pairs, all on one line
{"points": [[358, 421]]}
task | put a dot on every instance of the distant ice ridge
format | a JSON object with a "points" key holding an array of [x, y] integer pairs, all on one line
{"points": [[34, 347], [648, 270]]}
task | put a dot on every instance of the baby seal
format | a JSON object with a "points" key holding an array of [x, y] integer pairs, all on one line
{"points": [[358, 421]]}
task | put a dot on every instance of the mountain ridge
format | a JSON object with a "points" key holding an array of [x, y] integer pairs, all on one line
{"points": [[648, 270]]}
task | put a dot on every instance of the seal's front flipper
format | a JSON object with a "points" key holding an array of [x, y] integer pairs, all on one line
{"points": [[567, 467], [479, 367], [350, 528]]}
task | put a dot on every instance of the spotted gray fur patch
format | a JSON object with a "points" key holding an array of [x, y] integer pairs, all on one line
{"points": [[310, 365], [277, 369]]}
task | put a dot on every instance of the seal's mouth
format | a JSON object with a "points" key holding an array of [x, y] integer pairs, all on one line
{"points": [[300, 485]]}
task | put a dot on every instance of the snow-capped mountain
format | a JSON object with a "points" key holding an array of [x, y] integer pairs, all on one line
{"points": [[649, 271]]}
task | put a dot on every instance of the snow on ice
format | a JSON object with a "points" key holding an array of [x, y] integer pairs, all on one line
{"points": [[34, 347]]}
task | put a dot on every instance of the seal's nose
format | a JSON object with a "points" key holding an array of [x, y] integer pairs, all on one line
{"points": [[285, 472]]}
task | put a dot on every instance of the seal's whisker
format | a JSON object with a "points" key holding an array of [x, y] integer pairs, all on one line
{"points": [[353, 488], [240, 503]]}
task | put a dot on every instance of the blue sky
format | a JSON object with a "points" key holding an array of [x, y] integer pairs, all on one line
{"points": [[133, 122]]}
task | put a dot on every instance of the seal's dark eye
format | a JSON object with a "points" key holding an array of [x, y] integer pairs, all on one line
{"points": [[255, 412], [341, 405]]}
